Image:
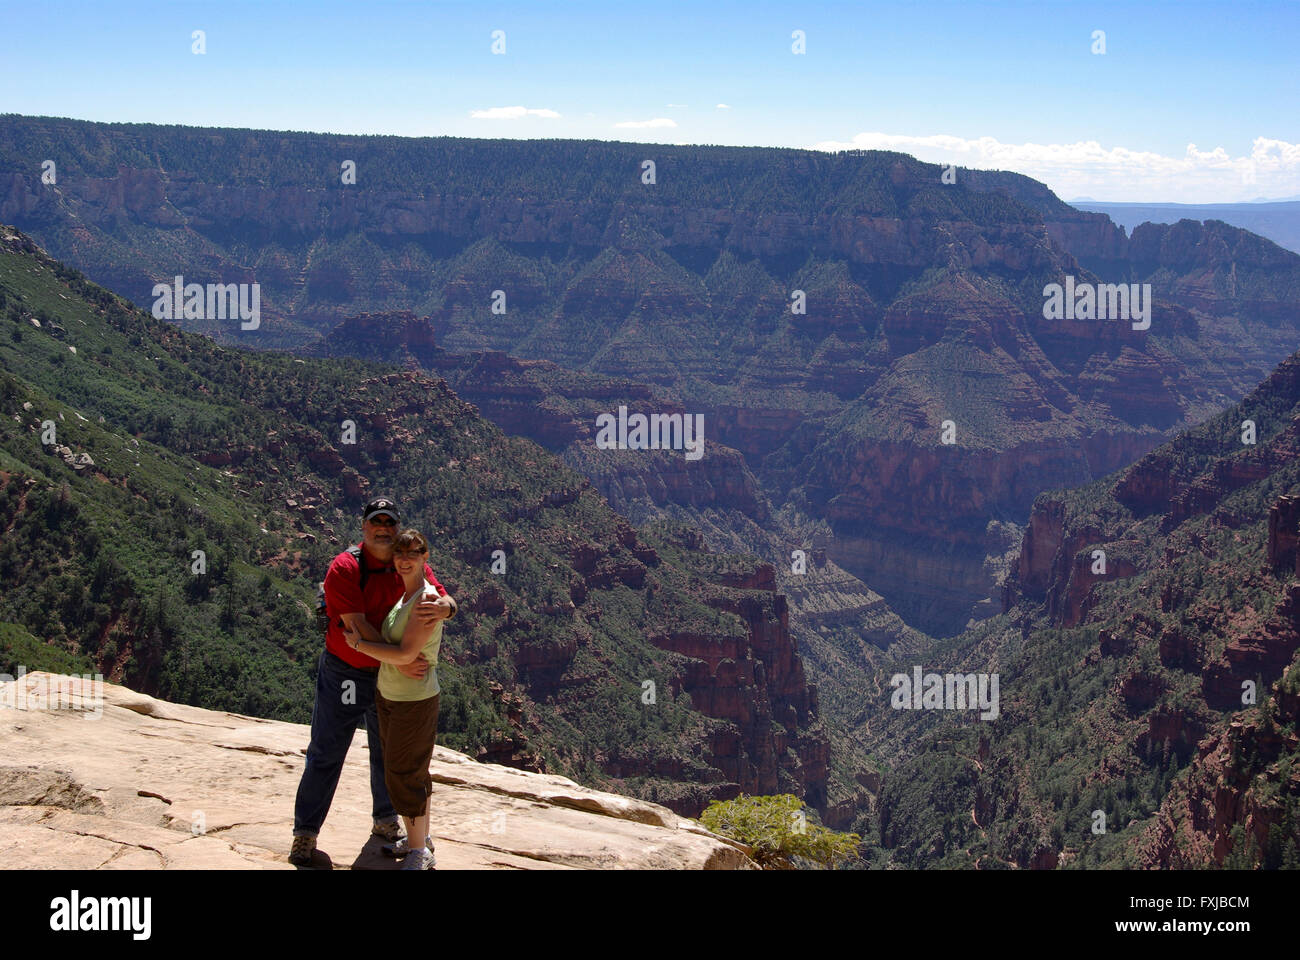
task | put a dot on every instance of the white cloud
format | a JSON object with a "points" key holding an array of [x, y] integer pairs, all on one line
{"points": [[1086, 168], [656, 122], [512, 113], [723, 106], [676, 104]]}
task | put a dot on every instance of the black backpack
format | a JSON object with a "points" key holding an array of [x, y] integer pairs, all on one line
{"points": [[322, 615]]}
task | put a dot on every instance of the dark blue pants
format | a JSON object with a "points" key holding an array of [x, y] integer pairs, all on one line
{"points": [[334, 718]]}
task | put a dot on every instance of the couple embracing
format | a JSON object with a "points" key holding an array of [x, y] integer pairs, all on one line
{"points": [[386, 611]]}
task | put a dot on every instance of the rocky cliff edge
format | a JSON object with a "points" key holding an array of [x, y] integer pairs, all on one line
{"points": [[114, 779]]}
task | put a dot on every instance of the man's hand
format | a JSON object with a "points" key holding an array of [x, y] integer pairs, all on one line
{"points": [[430, 612], [416, 669], [351, 635]]}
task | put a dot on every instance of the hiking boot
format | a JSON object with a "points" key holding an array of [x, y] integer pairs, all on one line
{"points": [[301, 853], [390, 829], [419, 859]]}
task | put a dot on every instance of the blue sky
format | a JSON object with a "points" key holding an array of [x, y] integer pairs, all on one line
{"points": [[1190, 102]]}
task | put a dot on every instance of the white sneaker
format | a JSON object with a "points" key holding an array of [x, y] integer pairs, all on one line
{"points": [[420, 859], [402, 847], [398, 848]]}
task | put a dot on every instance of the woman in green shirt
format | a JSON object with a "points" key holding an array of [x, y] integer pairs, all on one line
{"points": [[408, 709]]}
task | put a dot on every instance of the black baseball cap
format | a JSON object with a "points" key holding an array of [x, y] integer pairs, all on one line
{"points": [[381, 505]]}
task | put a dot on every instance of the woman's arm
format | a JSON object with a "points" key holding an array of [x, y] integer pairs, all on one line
{"points": [[414, 637]]}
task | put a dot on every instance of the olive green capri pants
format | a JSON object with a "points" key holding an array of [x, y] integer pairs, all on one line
{"points": [[407, 731]]}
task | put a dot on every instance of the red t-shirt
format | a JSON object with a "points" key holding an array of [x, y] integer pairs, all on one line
{"points": [[343, 595]]}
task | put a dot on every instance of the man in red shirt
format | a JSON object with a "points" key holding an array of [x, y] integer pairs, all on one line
{"points": [[345, 679]]}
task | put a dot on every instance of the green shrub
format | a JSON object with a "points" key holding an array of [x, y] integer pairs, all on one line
{"points": [[777, 831]]}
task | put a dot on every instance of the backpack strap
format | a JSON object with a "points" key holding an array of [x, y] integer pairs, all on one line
{"points": [[355, 550]]}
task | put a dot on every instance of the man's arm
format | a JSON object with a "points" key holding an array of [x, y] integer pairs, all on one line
{"points": [[443, 607], [429, 612], [358, 623]]}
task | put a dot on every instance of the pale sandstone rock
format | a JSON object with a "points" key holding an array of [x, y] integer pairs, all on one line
{"points": [[154, 785]]}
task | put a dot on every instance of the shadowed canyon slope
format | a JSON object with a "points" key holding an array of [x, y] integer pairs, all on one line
{"points": [[922, 303]]}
